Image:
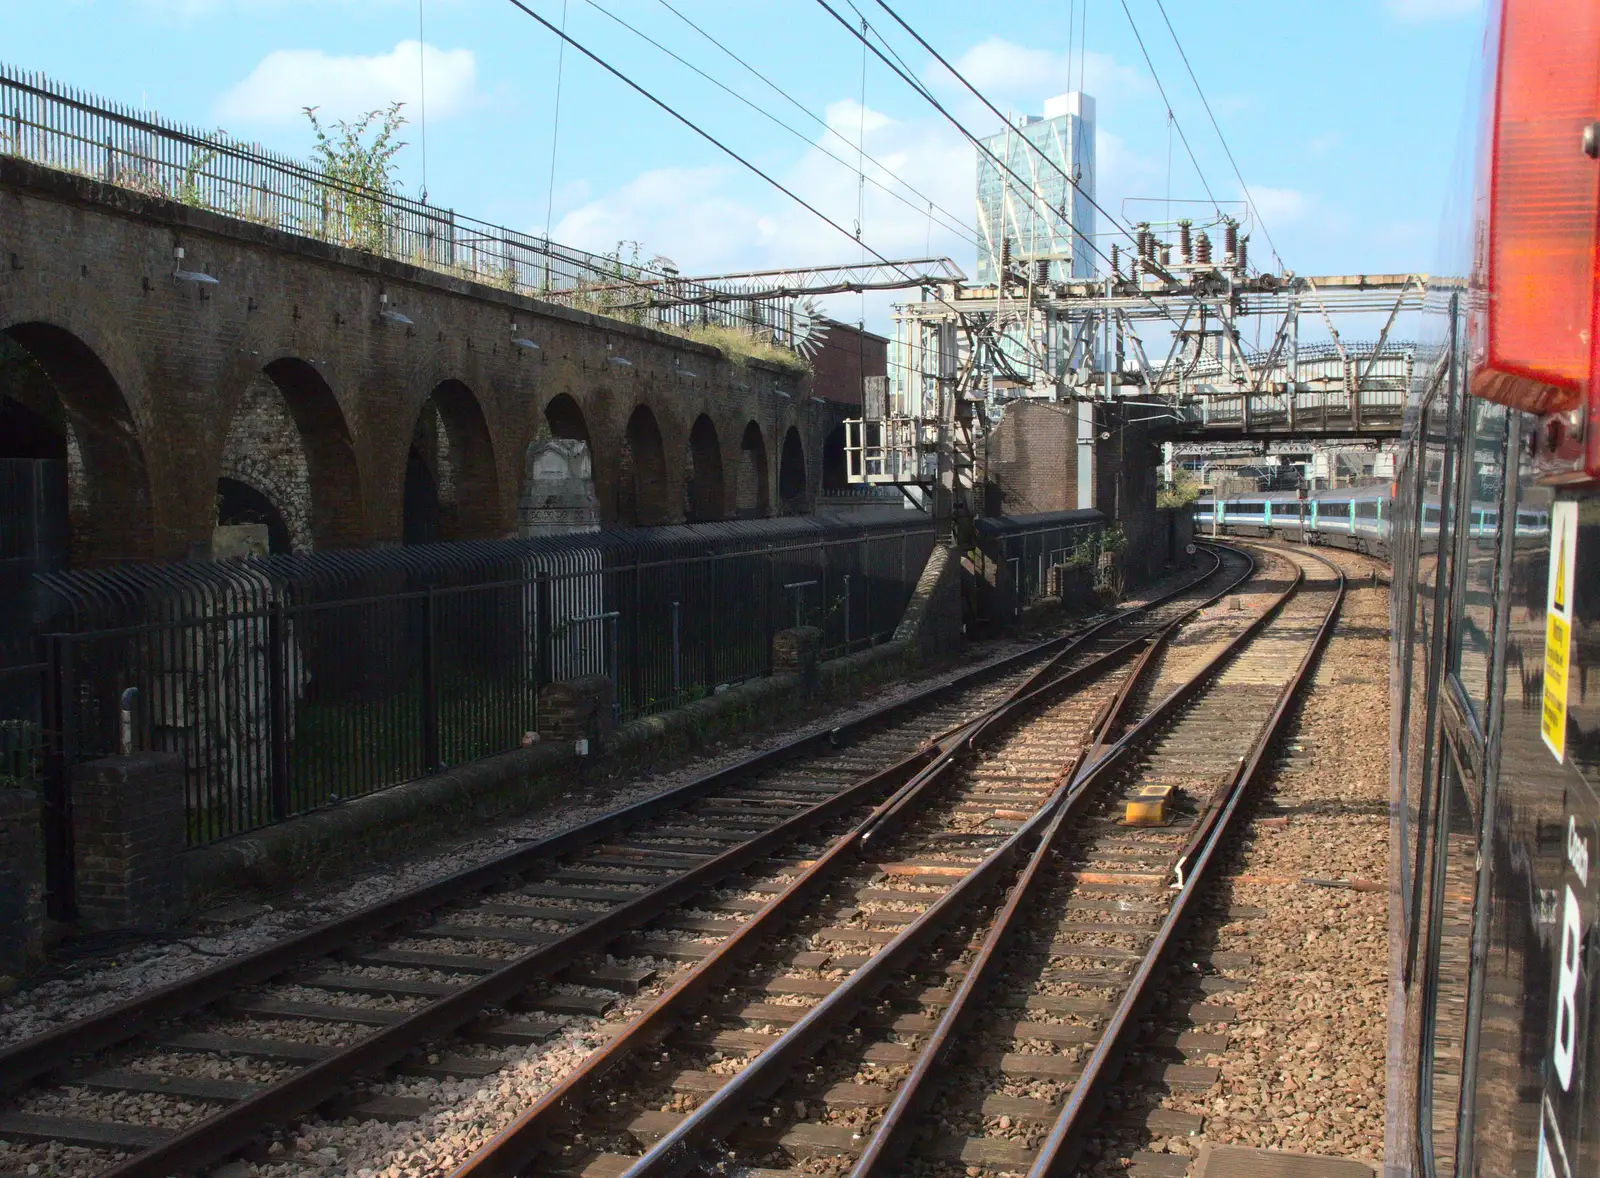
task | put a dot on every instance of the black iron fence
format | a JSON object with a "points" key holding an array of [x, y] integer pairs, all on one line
{"points": [[1025, 554], [292, 682]]}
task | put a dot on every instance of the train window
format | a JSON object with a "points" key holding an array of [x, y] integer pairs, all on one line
{"points": [[1472, 637], [1367, 509], [1247, 508], [1422, 656], [1445, 977]]}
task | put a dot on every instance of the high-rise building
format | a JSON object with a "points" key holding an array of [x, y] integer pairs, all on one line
{"points": [[1042, 218]]}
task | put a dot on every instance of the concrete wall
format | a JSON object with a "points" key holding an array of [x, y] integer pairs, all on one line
{"points": [[286, 376]]}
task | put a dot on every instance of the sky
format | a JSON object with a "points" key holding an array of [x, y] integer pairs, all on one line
{"points": [[1344, 118]]}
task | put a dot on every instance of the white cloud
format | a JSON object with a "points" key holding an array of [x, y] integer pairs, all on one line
{"points": [[1416, 11], [1015, 73], [714, 218], [1281, 206], [347, 86]]}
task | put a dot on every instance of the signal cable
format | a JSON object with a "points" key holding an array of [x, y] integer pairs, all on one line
{"points": [[1221, 138]]}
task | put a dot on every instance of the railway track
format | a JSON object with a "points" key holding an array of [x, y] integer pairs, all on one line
{"points": [[441, 981], [953, 994]]}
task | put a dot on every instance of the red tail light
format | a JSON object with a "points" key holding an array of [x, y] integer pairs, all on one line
{"points": [[1541, 261]]}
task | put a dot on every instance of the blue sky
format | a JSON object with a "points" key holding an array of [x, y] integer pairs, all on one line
{"points": [[1344, 117]]}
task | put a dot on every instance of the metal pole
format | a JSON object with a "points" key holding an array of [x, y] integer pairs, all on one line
{"points": [[677, 663], [847, 613], [430, 688], [278, 708], [616, 696]]}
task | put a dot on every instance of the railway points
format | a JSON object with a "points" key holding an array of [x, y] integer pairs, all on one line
{"points": [[1100, 717]]}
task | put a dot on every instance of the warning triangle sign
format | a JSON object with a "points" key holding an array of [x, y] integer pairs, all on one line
{"points": [[1561, 577]]}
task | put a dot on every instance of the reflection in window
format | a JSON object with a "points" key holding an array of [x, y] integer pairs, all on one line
{"points": [[1453, 875], [1484, 472]]}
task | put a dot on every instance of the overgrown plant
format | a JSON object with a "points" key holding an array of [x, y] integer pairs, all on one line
{"points": [[1182, 491], [358, 161]]}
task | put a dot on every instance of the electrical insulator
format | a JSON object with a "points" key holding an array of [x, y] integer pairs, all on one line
{"points": [[1041, 269], [1202, 248], [1116, 268], [1185, 244], [1005, 252], [1230, 239], [1244, 250], [1166, 255]]}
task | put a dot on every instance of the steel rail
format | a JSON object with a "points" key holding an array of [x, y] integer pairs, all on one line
{"points": [[890, 1137], [1065, 1140], [523, 1140], [979, 726], [679, 1151], [23, 1062], [229, 1128]]}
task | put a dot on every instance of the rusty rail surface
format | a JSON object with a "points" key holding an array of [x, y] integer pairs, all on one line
{"points": [[521, 1143], [229, 1129]]}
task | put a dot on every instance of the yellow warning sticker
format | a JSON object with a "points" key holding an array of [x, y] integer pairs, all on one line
{"points": [[1558, 625]]}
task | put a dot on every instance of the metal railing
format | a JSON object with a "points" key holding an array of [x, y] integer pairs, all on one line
{"points": [[1030, 552], [50, 124], [289, 683]]}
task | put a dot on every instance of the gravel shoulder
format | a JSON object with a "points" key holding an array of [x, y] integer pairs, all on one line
{"points": [[1303, 899]]}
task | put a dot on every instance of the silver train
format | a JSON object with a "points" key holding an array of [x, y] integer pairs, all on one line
{"points": [[1358, 518]]}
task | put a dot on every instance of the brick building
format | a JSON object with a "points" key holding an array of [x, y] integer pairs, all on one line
{"points": [[848, 355]]}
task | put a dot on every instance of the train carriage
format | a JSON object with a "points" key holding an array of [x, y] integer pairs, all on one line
{"points": [[1494, 1064]]}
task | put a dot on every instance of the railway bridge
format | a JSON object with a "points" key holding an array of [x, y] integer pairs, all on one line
{"points": [[185, 366]]}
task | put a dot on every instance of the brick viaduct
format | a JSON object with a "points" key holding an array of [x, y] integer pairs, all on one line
{"points": [[286, 383]]}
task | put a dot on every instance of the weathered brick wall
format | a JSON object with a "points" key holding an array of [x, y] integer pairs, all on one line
{"points": [[264, 450], [577, 709], [162, 377], [21, 880], [933, 623], [128, 838], [797, 651], [1033, 459]]}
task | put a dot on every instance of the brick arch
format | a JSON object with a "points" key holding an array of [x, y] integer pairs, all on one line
{"points": [[452, 479], [289, 441], [564, 418], [110, 513], [752, 486], [704, 489], [640, 490], [792, 481]]}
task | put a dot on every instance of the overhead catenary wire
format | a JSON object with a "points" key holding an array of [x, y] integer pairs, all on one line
{"points": [[555, 123], [916, 84], [922, 89], [422, 100], [713, 140], [1162, 90], [950, 220], [1220, 136]]}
